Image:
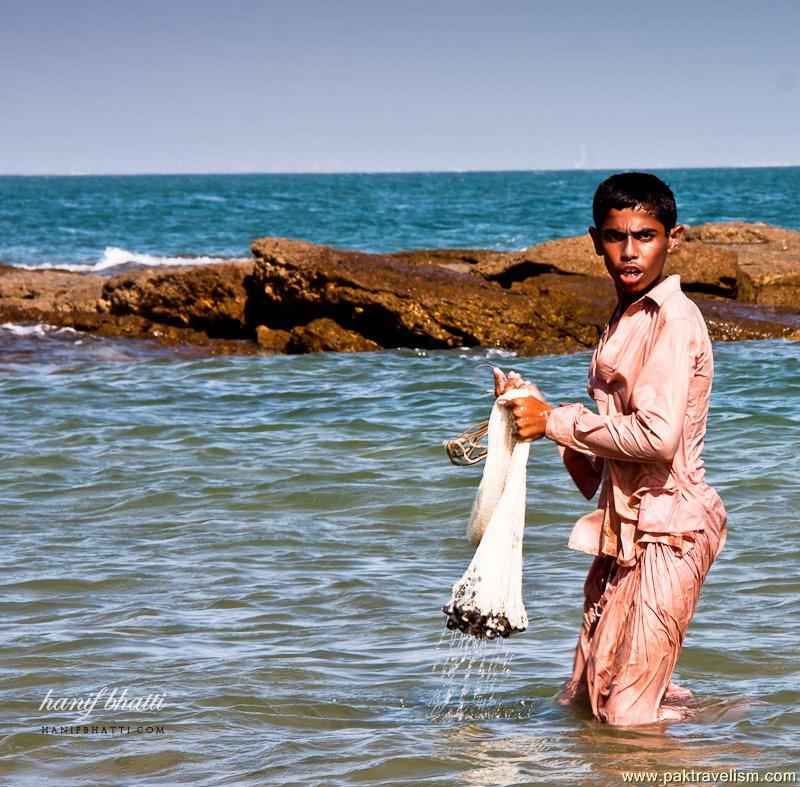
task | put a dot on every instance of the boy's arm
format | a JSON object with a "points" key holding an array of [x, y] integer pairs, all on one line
{"points": [[585, 468], [652, 432]]}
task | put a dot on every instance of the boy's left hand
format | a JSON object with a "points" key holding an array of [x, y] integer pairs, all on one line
{"points": [[514, 380]]}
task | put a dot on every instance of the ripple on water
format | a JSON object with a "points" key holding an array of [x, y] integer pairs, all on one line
{"points": [[277, 570]]}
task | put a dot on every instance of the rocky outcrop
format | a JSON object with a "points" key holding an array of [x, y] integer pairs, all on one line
{"points": [[393, 301], [767, 262], [90, 303], [301, 297], [753, 263], [210, 298], [51, 291], [542, 300], [703, 267], [273, 339], [324, 334]]}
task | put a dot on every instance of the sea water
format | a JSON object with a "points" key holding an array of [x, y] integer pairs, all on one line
{"points": [[266, 542], [101, 222]]}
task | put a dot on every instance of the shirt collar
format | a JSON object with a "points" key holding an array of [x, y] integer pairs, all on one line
{"points": [[660, 292]]}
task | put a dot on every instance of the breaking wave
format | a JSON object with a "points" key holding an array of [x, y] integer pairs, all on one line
{"points": [[39, 329], [116, 259]]}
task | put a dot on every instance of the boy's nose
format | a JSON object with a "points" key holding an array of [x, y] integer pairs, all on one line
{"points": [[630, 250]]}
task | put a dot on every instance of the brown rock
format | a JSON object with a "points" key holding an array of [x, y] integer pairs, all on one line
{"points": [[767, 264], [272, 339], [207, 298], [729, 320], [325, 334], [766, 260], [395, 300], [48, 290], [61, 297], [397, 303], [774, 281], [702, 267], [568, 255], [478, 261], [732, 233]]}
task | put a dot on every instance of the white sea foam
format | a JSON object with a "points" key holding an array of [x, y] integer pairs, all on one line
{"points": [[40, 329], [114, 257]]}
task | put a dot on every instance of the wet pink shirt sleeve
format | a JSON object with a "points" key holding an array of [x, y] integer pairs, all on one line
{"points": [[652, 430], [585, 469]]}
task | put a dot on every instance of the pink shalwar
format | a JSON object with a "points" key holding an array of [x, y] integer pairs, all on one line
{"points": [[658, 525]]}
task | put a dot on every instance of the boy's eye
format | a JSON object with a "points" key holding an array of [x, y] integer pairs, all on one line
{"points": [[611, 236]]}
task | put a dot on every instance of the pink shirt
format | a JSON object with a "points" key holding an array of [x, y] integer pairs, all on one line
{"points": [[651, 379]]}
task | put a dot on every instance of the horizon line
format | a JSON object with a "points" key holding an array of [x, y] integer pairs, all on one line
{"points": [[452, 171]]}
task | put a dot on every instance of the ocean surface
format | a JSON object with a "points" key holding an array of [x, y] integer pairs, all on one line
{"points": [[102, 222], [261, 545]]}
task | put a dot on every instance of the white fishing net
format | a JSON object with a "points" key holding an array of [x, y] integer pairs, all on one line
{"points": [[487, 600]]}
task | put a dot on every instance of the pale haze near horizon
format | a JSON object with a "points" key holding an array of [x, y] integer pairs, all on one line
{"points": [[206, 86]]}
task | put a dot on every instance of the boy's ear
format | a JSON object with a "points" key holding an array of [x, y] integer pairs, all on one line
{"points": [[594, 234], [675, 238]]}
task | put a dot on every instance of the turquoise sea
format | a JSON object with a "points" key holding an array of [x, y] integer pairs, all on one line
{"points": [[265, 542], [75, 220]]}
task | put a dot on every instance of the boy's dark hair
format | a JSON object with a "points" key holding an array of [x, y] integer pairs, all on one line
{"points": [[635, 190]]}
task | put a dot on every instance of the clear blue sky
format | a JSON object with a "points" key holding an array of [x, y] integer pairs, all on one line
{"points": [[364, 85]]}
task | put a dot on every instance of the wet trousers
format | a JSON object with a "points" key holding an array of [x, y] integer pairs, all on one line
{"points": [[634, 621]]}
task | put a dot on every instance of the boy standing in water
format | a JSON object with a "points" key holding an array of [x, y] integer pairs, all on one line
{"points": [[658, 525]]}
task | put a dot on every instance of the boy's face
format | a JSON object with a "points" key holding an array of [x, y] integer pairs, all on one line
{"points": [[634, 245]]}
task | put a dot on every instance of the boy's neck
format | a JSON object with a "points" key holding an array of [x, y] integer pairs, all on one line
{"points": [[625, 299]]}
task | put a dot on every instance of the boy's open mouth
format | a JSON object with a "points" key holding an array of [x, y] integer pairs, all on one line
{"points": [[630, 275]]}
